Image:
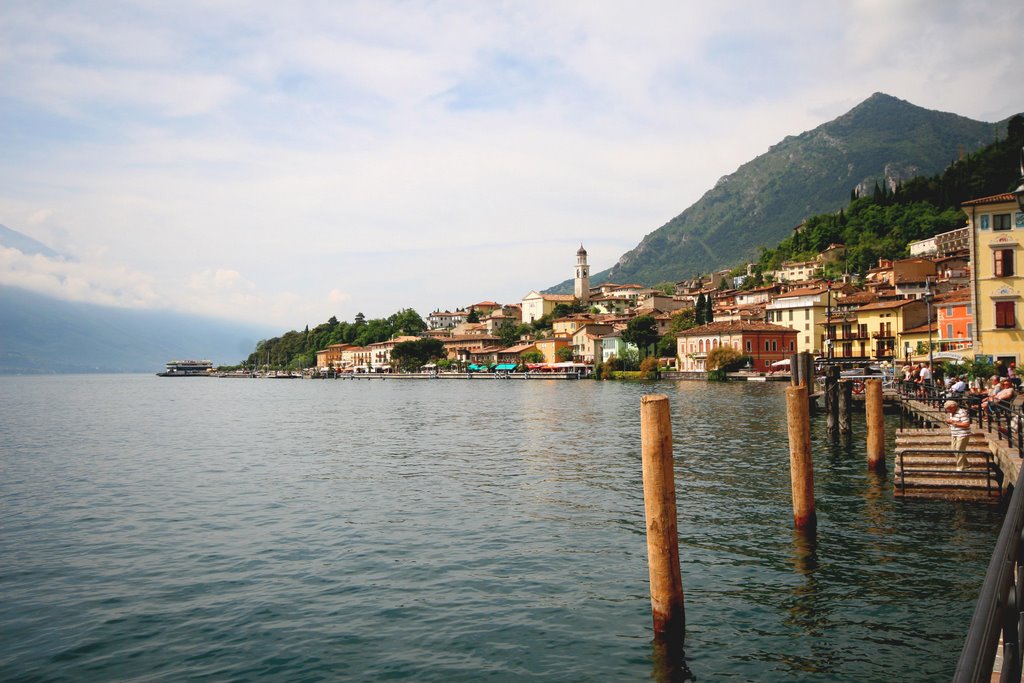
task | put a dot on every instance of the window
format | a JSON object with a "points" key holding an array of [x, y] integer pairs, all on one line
{"points": [[1001, 221], [791, 345], [749, 346], [774, 345], [949, 331], [949, 311], [765, 344], [790, 315], [1005, 314], [970, 330], [1003, 262]]}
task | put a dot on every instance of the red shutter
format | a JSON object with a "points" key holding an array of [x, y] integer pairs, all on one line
{"points": [[1005, 314]]}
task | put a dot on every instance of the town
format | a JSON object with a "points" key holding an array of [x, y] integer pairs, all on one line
{"points": [[954, 298]]}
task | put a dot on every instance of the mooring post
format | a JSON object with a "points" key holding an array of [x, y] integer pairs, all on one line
{"points": [[845, 405], [794, 369], [660, 509], [801, 466], [876, 424], [832, 400]]}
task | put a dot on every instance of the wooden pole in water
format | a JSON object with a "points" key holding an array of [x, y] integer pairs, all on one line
{"points": [[801, 467], [832, 400], [794, 369], [876, 424], [660, 509], [845, 405]]}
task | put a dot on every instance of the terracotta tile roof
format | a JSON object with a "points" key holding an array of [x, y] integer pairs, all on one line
{"points": [[922, 328], [994, 199], [883, 305], [518, 348], [807, 291], [732, 326], [950, 297]]}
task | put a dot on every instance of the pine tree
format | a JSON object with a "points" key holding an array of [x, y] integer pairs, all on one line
{"points": [[709, 314], [700, 313]]}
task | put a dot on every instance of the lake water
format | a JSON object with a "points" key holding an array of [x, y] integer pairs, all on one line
{"points": [[157, 529]]}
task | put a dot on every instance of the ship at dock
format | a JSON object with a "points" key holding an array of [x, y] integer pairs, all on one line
{"points": [[187, 368]]}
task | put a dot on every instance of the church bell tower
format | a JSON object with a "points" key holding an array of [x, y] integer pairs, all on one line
{"points": [[582, 276]]}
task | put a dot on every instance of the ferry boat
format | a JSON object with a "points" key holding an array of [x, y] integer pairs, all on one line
{"points": [[187, 368]]}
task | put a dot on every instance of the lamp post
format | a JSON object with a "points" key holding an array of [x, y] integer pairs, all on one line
{"points": [[1019, 192], [828, 321], [928, 301]]}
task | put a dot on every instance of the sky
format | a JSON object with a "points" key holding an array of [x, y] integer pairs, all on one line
{"points": [[281, 163]]}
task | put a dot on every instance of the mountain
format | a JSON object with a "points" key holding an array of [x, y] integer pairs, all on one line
{"points": [[883, 139], [40, 334], [25, 244]]}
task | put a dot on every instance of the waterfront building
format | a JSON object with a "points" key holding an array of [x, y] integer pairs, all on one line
{"points": [[567, 326], [612, 344], [459, 347], [586, 342], [514, 354], [331, 357], [380, 352], [802, 310], [955, 320], [997, 283], [549, 347], [765, 343], [886, 321]]}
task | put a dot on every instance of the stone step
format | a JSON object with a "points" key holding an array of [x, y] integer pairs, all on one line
{"points": [[939, 463]]}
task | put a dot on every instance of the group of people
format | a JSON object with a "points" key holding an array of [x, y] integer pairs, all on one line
{"points": [[1001, 390]]}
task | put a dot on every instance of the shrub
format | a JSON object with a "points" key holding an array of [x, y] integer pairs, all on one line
{"points": [[649, 368]]}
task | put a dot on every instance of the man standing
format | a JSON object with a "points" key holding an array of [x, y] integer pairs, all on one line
{"points": [[959, 431]]}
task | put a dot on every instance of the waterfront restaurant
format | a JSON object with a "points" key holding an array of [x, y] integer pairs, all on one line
{"points": [[765, 343]]}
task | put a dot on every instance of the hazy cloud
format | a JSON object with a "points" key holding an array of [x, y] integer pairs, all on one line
{"points": [[245, 158]]}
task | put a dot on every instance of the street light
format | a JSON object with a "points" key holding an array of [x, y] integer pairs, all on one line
{"points": [[828, 321], [1019, 192], [928, 300]]}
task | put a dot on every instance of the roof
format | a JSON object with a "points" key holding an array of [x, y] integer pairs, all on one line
{"points": [[733, 326], [922, 328], [518, 348], [807, 291], [955, 295], [994, 199], [883, 305]]}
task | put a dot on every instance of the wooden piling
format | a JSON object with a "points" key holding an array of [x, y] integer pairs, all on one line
{"points": [[876, 424], [832, 400], [845, 405], [660, 508], [801, 466]]}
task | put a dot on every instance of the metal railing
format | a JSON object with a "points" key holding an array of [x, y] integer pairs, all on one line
{"points": [[990, 468], [1003, 419], [997, 614]]}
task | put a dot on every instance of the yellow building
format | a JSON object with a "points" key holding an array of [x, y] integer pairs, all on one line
{"points": [[550, 346], [803, 310], [886, 322], [537, 305], [997, 285]]}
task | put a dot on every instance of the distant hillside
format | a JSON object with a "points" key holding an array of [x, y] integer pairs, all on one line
{"points": [[25, 244], [881, 139], [40, 334]]}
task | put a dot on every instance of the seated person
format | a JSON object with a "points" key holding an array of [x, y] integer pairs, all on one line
{"points": [[1004, 394], [958, 387]]}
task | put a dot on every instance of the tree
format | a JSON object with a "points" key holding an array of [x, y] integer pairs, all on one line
{"points": [[407, 322], [413, 354], [642, 331], [723, 357], [709, 313], [532, 357], [473, 316], [564, 354], [701, 310]]}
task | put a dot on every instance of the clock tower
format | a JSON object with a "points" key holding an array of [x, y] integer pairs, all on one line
{"points": [[582, 276]]}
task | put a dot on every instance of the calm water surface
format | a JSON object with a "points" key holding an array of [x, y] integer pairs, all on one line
{"points": [[155, 529]]}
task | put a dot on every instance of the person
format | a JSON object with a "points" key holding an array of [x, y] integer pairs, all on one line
{"points": [[959, 432], [958, 387], [1011, 373], [924, 379], [1004, 394], [1001, 369]]}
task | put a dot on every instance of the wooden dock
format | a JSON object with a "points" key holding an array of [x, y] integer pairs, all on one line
{"points": [[925, 463]]}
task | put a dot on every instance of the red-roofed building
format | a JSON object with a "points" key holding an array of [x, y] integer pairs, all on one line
{"points": [[764, 342]]}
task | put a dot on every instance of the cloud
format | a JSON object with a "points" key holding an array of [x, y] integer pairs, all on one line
{"points": [[77, 281], [248, 157]]}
